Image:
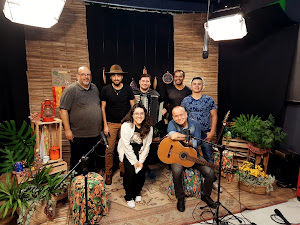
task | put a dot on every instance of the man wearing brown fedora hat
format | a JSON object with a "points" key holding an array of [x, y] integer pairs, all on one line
{"points": [[117, 99]]}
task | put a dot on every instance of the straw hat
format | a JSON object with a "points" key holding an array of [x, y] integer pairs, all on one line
{"points": [[115, 69]]}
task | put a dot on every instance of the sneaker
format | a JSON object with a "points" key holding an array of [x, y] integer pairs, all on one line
{"points": [[215, 187], [207, 199], [131, 203], [138, 198]]}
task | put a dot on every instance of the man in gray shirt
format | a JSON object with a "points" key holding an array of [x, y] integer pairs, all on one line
{"points": [[80, 112]]}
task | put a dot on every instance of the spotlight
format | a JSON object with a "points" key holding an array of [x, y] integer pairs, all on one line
{"points": [[226, 24], [39, 13]]}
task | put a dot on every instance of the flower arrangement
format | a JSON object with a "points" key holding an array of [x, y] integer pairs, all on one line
{"points": [[253, 175]]}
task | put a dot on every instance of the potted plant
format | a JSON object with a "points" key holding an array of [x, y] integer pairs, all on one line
{"points": [[259, 133], [253, 179], [18, 145]]}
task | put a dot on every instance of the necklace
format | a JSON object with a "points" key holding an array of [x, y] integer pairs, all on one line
{"points": [[117, 91]]}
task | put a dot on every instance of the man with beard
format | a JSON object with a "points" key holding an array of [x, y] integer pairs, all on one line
{"points": [[81, 116], [116, 100], [177, 92], [150, 95]]}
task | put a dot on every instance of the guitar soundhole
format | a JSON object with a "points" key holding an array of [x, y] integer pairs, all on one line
{"points": [[183, 155]]}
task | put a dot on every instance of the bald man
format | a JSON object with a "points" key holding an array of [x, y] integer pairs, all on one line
{"points": [[80, 112], [177, 128]]}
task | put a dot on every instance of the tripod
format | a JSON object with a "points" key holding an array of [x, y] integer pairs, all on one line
{"points": [[221, 149], [83, 160]]}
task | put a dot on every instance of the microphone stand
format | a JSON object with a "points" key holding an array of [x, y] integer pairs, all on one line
{"points": [[83, 160], [221, 148]]}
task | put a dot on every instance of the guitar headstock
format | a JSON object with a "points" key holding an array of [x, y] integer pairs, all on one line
{"points": [[226, 117]]}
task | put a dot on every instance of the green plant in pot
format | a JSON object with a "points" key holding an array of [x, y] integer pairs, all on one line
{"points": [[262, 133], [18, 145], [13, 196]]}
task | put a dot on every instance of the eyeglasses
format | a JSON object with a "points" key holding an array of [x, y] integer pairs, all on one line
{"points": [[139, 114], [85, 74]]}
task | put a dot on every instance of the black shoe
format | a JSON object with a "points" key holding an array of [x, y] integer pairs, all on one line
{"points": [[181, 205], [207, 199]]}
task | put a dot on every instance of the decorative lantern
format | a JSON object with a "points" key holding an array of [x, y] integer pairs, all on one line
{"points": [[47, 111]]}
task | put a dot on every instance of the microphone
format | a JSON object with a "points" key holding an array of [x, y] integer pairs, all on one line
{"points": [[103, 137], [188, 135], [205, 46], [281, 216]]}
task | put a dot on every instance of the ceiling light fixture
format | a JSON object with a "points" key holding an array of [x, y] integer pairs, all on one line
{"points": [[226, 24], [39, 13]]}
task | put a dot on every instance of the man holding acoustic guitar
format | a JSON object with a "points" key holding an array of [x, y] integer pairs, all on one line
{"points": [[177, 130]]}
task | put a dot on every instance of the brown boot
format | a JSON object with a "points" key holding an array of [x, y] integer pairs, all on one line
{"points": [[108, 179], [121, 174]]}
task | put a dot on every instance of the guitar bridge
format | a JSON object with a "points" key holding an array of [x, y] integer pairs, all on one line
{"points": [[170, 151]]}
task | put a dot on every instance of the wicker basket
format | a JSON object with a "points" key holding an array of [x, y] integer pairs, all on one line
{"points": [[260, 190], [39, 216]]}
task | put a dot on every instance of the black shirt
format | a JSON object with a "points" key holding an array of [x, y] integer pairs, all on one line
{"points": [[117, 102], [175, 96]]}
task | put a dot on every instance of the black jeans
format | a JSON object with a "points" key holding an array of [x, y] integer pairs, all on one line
{"points": [[207, 172], [133, 183], [81, 146]]}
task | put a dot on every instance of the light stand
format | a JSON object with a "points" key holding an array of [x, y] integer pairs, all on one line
{"points": [[83, 159], [221, 148]]}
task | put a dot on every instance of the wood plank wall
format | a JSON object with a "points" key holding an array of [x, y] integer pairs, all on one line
{"points": [[188, 48], [66, 45]]}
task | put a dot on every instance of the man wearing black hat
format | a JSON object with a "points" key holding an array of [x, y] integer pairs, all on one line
{"points": [[116, 100]]}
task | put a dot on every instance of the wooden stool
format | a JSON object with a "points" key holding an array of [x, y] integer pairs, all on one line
{"points": [[97, 201]]}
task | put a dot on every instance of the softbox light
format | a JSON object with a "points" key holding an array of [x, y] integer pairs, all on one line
{"points": [[39, 13], [226, 27]]}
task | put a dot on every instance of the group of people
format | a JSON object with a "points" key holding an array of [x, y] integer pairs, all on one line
{"points": [[83, 110]]}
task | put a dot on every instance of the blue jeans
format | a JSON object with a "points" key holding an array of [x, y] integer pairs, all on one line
{"points": [[206, 148]]}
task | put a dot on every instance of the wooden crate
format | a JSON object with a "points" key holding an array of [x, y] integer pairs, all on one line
{"points": [[57, 166], [55, 134], [238, 145]]}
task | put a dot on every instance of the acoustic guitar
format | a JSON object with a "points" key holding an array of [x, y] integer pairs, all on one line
{"points": [[170, 152]]}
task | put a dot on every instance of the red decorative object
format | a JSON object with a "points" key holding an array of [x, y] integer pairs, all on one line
{"points": [[47, 111], [54, 153], [256, 150]]}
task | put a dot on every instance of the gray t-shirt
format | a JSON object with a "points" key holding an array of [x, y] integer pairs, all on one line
{"points": [[84, 110]]}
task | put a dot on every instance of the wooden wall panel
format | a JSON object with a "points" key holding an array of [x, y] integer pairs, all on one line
{"points": [[188, 48], [64, 45]]}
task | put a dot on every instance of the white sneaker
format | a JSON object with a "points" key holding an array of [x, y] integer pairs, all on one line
{"points": [[131, 203], [215, 187], [138, 198]]}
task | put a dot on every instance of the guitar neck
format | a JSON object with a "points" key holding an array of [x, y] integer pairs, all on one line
{"points": [[202, 162]]}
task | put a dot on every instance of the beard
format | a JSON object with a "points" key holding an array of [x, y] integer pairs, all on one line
{"points": [[117, 84]]}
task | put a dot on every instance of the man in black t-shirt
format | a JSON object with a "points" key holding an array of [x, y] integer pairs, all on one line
{"points": [[116, 100], [177, 92]]}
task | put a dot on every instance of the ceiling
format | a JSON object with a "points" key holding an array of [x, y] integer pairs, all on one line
{"points": [[182, 6]]}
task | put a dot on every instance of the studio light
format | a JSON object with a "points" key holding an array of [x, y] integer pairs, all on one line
{"points": [[39, 13], [226, 24]]}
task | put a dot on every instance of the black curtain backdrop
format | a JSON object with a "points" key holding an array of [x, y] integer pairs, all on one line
{"points": [[254, 72], [13, 64], [132, 40]]}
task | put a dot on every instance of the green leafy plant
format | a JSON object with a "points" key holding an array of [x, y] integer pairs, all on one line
{"points": [[13, 196], [18, 145], [263, 133]]}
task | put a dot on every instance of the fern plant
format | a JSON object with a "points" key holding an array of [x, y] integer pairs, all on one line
{"points": [[263, 133], [18, 145]]}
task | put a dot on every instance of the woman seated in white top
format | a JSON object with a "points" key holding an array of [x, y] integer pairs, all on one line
{"points": [[133, 148]]}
